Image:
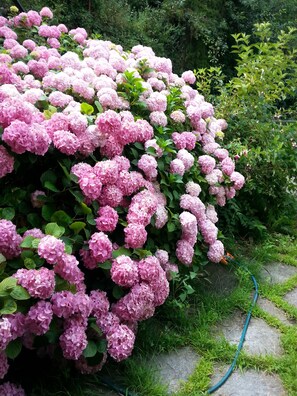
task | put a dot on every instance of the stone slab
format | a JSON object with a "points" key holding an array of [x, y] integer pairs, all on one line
{"points": [[277, 272], [173, 367], [260, 339], [270, 308], [222, 280], [248, 383], [291, 297]]}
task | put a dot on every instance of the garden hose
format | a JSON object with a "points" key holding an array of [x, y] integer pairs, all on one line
{"points": [[243, 334], [124, 392]]}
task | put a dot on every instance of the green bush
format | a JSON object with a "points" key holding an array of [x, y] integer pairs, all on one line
{"points": [[256, 103]]}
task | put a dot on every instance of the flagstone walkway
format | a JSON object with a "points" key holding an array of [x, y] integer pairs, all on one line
{"points": [[261, 340]]}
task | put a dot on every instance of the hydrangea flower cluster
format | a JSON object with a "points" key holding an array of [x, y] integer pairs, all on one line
{"points": [[141, 171]]}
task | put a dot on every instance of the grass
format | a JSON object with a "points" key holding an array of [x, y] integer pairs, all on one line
{"points": [[192, 326]]}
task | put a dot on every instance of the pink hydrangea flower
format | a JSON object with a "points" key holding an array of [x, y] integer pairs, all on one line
{"points": [[39, 283], [184, 252], [186, 158], [17, 322], [207, 164], [4, 366], [5, 333], [216, 252], [209, 231], [73, 342], [228, 166], [148, 165], [66, 142], [39, 317], [9, 389], [51, 249], [107, 220], [100, 303], [37, 203], [120, 343], [135, 236], [45, 12], [193, 188], [63, 304], [189, 77], [238, 180], [137, 305], [9, 239], [100, 246], [124, 271], [177, 166], [6, 162], [178, 116]]}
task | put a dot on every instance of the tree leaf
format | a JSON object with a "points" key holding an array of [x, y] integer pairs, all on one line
{"points": [[27, 242], [120, 252], [19, 293], [8, 213], [86, 108], [7, 285], [13, 349], [61, 217], [90, 350], [50, 186], [9, 306], [77, 226], [54, 229]]}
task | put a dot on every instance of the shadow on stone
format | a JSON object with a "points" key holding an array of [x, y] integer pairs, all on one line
{"points": [[173, 367], [221, 280]]}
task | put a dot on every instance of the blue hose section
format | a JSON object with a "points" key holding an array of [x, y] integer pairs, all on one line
{"points": [[243, 334], [109, 383]]}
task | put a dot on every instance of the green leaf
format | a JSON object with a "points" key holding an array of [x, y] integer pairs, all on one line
{"points": [[47, 211], [13, 349], [117, 292], [86, 108], [9, 306], [90, 350], [2, 259], [29, 263], [102, 346], [8, 213], [35, 243], [139, 146], [19, 293], [27, 242], [50, 186], [120, 252], [90, 219], [49, 176], [171, 227], [34, 219], [62, 218], [7, 285], [106, 265], [54, 230], [99, 107], [77, 226]]}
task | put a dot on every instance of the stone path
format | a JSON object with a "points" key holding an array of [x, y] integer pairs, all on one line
{"points": [[261, 340]]}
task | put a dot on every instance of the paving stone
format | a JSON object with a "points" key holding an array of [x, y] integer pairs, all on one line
{"points": [[291, 297], [222, 280], [277, 272], [260, 339], [248, 383], [174, 367], [270, 308]]}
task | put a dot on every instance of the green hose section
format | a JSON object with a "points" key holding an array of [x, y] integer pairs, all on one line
{"points": [[124, 392], [243, 334]]}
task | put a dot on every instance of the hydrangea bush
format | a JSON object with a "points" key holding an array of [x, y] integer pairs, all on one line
{"points": [[111, 167]]}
